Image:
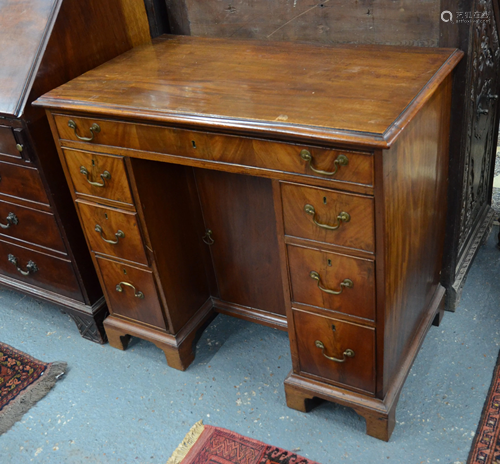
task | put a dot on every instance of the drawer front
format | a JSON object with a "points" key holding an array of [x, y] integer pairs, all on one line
{"points": [[320, 338], [8, 144], [122, 301], [39, 269], [341, 165], [22, 182], [329, 216], [315, 274], [112, 232], [101, 176], [30, 225]]}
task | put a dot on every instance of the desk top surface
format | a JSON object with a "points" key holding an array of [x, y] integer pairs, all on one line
{"points": [[364, 94]]}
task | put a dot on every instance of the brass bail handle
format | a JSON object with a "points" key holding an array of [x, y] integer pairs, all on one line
{"points": [[104, 176], [347, 353], [11, 220], [94, 129], [31, 267], [341, 160], [347, 283], [118, 235], [119, 288], [207, 238], [342, 217]]}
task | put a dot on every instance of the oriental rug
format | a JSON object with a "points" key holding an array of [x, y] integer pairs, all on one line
{"points": [[205, 444], [24, 380], [486, 445]]}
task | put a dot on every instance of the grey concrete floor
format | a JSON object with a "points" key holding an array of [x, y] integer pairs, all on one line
{"points": [[130, 407]]}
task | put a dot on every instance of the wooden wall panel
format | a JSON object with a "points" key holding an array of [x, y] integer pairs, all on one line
{"points": [[402, 22]]}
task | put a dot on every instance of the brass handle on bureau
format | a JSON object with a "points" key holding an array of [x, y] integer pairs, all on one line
{"points": [[341, 160], [11, 220], [347, 283], [347, 353], [118, 235], [104, 176], [31, 266], [342, 217], [207, 238], [137, 294], [94, 128]]}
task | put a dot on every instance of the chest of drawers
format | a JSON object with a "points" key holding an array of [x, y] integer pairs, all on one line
{"points": [[42, 248], [301, 187]]}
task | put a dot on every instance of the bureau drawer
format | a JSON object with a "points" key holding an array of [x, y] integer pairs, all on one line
{"points": [[329, 216], [352, 346], [101, 176], [22, 182], [30, 225], [8, 144], [112, 232], [131, 292], [39, 269], [316, 274], [339, 165]]}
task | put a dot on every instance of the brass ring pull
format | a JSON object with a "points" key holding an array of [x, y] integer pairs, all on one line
{"points": [[104, 176], [94, 128], [31, 266], [347, 283], [347, 353], [207, 238], [118, 235], [342, 217], [137, 294], [341, 160], [11, 220]]}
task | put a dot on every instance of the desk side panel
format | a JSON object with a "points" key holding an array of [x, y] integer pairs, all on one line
{"points": [[410, 233]]}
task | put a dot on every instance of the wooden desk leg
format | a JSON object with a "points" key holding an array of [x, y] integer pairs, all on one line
{"points": [[181, 357], [116, 338], [379, 425]]}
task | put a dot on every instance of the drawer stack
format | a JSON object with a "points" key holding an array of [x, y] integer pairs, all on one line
{"points": [[110, 221], [330, 246], [32, 251]]}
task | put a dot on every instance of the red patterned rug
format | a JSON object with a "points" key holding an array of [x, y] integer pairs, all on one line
{"points": [[23, 381], [486, 446], [205, 444]]}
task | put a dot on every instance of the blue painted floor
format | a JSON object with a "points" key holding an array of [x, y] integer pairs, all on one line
{"points": [[130, 407]]}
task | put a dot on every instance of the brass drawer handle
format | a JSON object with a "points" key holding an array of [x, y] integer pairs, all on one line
{"points": [[118, 235], [342, 217], [104, 176], [94, 128], [31, 266], [137, 294], [347, 353], [207, 238], [341, 160], [11, 220], [347, 283]]}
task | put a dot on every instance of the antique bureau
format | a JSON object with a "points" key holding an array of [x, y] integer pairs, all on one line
{"points": [[298, 186], [44, 43]]}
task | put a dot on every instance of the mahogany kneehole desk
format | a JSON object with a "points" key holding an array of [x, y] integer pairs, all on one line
{"points": [[301, 187]]}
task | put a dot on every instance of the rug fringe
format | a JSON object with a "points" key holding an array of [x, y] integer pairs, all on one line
{"points": [[189, 440], [15, 410]]}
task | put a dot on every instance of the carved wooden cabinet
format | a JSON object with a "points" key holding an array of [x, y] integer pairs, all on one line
{"points": [[286, 184], [44, 43]]}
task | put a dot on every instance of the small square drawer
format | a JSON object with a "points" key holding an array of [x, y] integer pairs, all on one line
{"points": [[332, 281], [131, 293], [39, 269], [112, 232], [8, 144], [101, 176], [338, 351], [22, 182], [329, 216], [30, 225]]}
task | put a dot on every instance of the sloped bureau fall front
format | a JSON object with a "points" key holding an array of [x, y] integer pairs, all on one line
{"points": [[302, 187]]}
